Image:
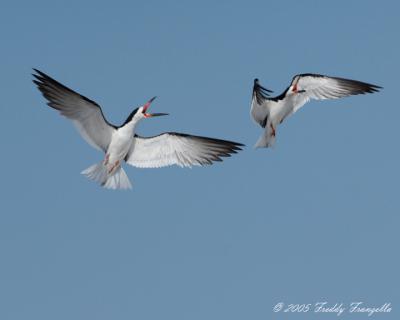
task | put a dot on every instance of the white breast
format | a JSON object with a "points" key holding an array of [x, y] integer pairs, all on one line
{"points": [[281, 109], [120, 144]]}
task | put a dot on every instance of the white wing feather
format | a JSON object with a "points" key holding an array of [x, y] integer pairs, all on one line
{"points": [[178, 149], [320, 87]]}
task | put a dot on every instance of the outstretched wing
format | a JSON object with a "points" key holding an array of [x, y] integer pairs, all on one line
{"points": [[319, 87], [85, 114], [176, 148]]}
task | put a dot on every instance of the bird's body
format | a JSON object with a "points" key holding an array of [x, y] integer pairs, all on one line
{"points": [[122, 144], [269, 112]]}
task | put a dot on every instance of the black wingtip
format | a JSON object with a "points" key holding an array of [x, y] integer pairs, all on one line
{"points": [[238, 144], [363, 87], [375, 88], [35, 74], [257, 85], [39, 73], [261, 93]]}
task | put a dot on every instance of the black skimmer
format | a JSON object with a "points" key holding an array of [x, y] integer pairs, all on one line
{"points": [[120, 143], [269, 112]]}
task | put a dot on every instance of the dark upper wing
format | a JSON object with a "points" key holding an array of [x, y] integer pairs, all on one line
{"points": [[181, 149], [85, 114]]}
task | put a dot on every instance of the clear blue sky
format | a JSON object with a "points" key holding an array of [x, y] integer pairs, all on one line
{"points": [[315, 219]]}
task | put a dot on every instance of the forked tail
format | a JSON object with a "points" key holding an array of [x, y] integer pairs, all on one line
{"points": [[116, 180]]}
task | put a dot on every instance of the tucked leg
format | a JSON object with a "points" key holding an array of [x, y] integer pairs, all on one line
{"points": [[273, 130], [107, 157], [115, 165]]}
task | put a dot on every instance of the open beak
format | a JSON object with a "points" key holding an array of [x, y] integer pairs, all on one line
{"points": [[151, 115]]}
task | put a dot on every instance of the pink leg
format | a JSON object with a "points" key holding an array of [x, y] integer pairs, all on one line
{"points": [[116, 164], [273, 130], [106, 159]]}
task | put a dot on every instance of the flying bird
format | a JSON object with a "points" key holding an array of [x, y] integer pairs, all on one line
{"points": [[120, 143], [269, 112]]}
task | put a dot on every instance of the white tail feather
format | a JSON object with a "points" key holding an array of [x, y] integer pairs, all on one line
{"points": [[267, 138], [99, 173]]}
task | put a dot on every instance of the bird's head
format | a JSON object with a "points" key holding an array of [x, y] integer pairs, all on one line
{"points": [[141, 112]]}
